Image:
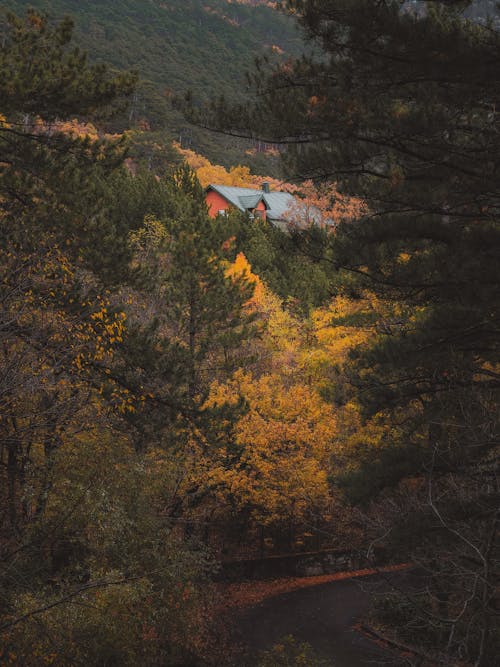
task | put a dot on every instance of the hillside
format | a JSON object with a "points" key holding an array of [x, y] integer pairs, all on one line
{"points": [[190, 404], [205, 46]]}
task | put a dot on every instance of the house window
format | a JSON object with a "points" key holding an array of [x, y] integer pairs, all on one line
{"points": [[222, 211]]}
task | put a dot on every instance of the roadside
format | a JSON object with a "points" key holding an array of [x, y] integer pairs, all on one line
{"points": [[248, 593]]}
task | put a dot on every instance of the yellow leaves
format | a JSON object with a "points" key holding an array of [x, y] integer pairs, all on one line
{"points": [[305, 350], [239, 176], [152, 235], [358, 435], [282, 336], [285, 438], [241, 268], [98, 336], [289, 434], [77, 129], [126, 406], [337, 327], [76, 332]]}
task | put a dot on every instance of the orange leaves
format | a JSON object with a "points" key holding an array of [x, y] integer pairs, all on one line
{"points": [[76, 129], [285, 438], [315, 103], [239, 176], [323, 205], [35, 20], [228, 244]]}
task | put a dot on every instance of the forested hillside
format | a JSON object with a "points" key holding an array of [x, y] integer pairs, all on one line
{"points": [[185, 399], [175, 46], [161, 405], [402, 109]]}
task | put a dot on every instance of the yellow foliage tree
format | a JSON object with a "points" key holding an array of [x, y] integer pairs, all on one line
{"points": [[239, 175], [285, 440], [57, 347], [314, 354], [279, 347]]}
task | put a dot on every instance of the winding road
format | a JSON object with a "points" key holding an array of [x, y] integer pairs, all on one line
{"points": [[323, 616]]}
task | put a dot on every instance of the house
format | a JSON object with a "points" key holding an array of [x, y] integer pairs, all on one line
{"points": [[267, 205]]}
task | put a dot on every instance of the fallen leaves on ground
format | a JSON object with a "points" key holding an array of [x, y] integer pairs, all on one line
{"points": [[251, 593]]}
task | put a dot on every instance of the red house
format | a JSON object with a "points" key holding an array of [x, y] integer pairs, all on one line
{"points": [[267, 205]]}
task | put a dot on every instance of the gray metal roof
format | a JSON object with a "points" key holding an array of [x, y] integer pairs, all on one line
{"points": [[234, 195], [249, 201], [277, 204], [281, 203]]}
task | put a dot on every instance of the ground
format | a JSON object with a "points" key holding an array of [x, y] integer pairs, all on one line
{"points": [[323, 614]]}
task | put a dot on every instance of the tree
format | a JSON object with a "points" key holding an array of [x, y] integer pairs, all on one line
{"points": [[44, 170], [400, 108], [285, 439], [205, 304], [186, 315], [271, 474], [52, 326], [321, 205], [82, 537]]}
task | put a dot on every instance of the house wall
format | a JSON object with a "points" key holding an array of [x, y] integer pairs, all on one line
{"points": [[261, 207], [216, 203]]}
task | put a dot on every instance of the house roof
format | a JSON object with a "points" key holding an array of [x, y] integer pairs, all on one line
{"points": [[280, 203], [250, 201], [277, 204], [242, 198]]}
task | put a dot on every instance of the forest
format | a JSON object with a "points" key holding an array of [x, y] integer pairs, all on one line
{"points": [[174, 46], [181, 393]]}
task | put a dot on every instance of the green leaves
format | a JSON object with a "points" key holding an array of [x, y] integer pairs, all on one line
{"points": [[41, 75]]}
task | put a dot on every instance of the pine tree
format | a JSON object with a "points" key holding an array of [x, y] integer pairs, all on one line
{"points": [[81, 519], [50, 193], [50, 179], [400, 108], [189, 323]]}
